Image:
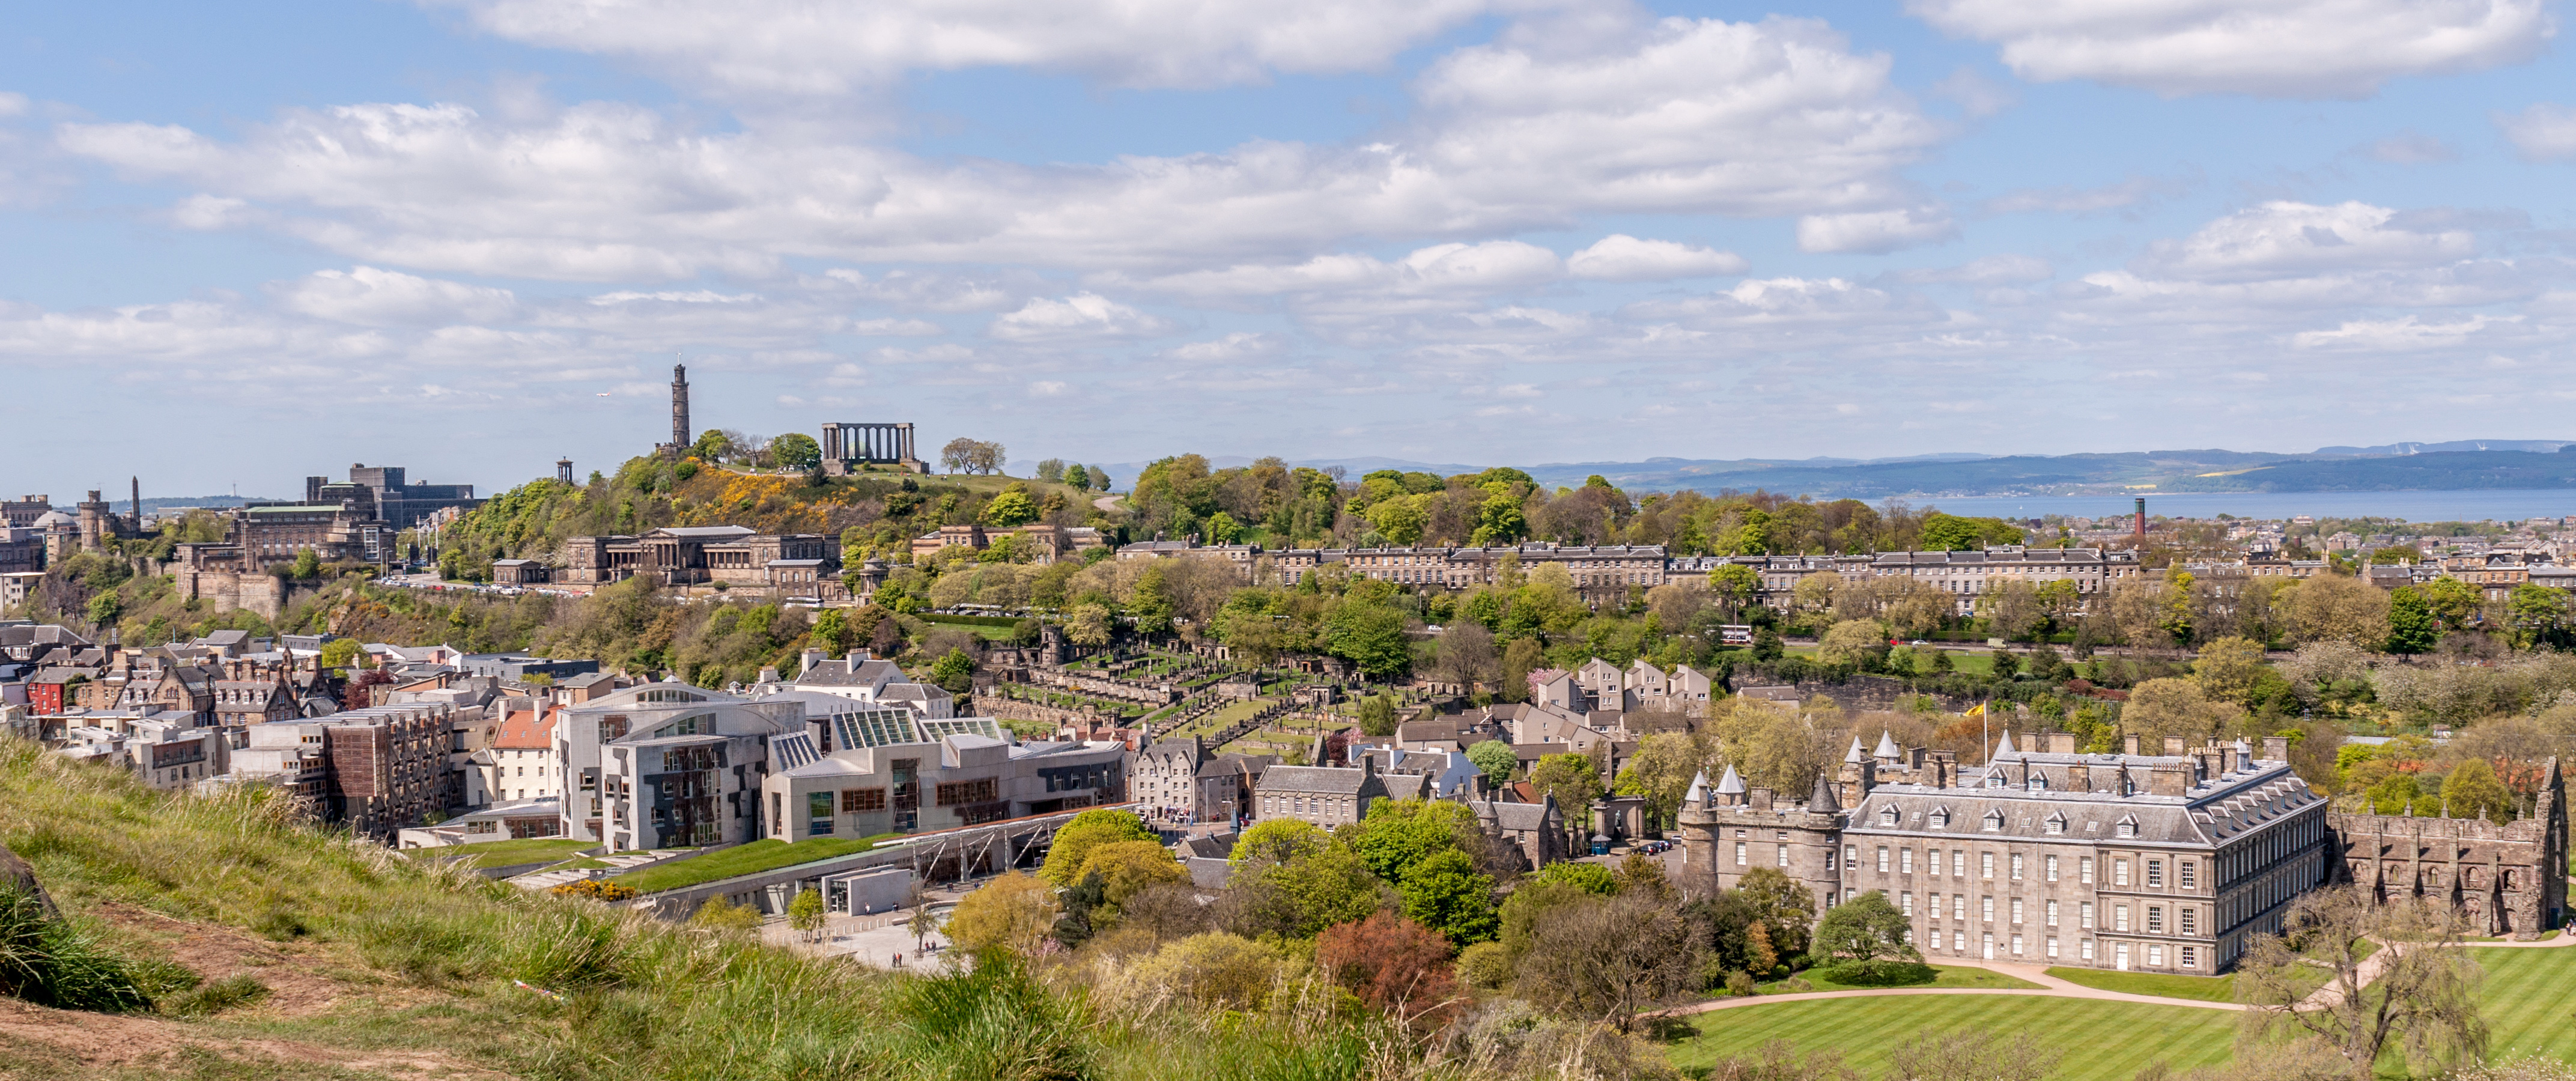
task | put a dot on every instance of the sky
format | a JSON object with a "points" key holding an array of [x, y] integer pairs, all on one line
{"points": [[249, 243]]}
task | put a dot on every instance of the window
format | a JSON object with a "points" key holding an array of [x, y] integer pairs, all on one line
{"points": [[2051, 947], [2055, 823], [2084, 869], [2038, 783], [1829, 857], [2084, 914], [2185, 871], [1934, 855], [1784, 855], [2155, 873], [2119, 872], [2016, 945], [857, 800], [1986, 864], [2016, 866], [818, 810], [2189, 920], [2156, 955], [2049, 868], [2190, 957], [2128, 827], [1935, 900], [1739, 853], [1905, 902], [1994, 821], [1940, 818], [981, 790], [1887, 817], [2016, 910], [2088, 949], [2052, 912], [1986, 908], [1882, 859], [1959, 906], [2156, 919], [1905, 860], [2119, 917], [1958, 942]]}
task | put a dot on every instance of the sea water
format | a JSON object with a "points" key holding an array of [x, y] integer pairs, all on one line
{"points": [[2472, 505]]}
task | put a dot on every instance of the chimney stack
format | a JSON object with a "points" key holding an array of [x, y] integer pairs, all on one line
{"points": [[2276, 748], [2142, 518], [2129, 745]]}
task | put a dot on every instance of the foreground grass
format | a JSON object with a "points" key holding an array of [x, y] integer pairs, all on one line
{"points": [[753, 858], [2528, 1000], [421, 958], [505, 853], [2161, 985], [2103, 1041]]}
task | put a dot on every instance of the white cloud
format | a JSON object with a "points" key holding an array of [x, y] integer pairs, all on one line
{"points": [[1083, 316], [773, 48], [1620, 257], [2543, 132], [1048, 388], [2408, 334], [2287, 237], [1778, 301], [2288, 48], [1680, 116], [12, 104], [900, 328], [371, 297], [1240, 345], [1456, 272], [1876, 231], [1991, 270], [2135, 191]]}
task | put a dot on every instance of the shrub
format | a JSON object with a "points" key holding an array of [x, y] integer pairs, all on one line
{"points": [[1485, 965], [1739, 983], [596, 890], [1878, 973]]}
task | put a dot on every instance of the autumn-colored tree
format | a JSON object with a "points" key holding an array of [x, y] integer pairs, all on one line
{"points": [[1393, 964]]}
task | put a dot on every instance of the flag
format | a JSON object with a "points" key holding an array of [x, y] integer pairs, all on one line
{"points": [[1978, 710]]}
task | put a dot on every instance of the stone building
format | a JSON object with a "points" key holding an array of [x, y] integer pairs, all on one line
{"points": [[891, 771], [382, 493], [1324, 795], [1183, 781], [1535, 830], [2165, 863], [2504, 878], [704, 555], [1045, 543]]}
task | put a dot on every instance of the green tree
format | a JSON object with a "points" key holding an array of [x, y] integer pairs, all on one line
{"points": [[1398, 835], [340, 652], [2539, 615], [1370, 636], [1089, 830], [1088, 625], [712, 446], [1011, 508], [1400, 520], [2472, 789], [1846, 642], [2229, 669], [1446, 894], [1574, 779], [797, 451], [2411, 627], [1377, 715], [1312, 891], [954, 673], [1785, 906], [831, 632], [1767, 646], [1223, 529], [307, 565], [806, 913], [2454, 603], [1278, 840], [1500, 520], [1661, 772], [1127, 868], [1865, 928], [1495, 758], [104, 608], [1591, 878], [1077, 477]]}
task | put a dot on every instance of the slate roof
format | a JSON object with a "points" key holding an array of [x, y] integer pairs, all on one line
{"points": [[1330, 780], [2209, 813]]}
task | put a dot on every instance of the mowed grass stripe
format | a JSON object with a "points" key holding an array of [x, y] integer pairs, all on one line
{"points": [[2103, 1041], [2527, 1000]]}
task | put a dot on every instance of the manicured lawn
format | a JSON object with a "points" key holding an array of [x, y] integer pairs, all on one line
{"points": [[2527, 1000], [2161, 985], [743, 860], [2103, 1041], [1944, 976], [505, 853]]}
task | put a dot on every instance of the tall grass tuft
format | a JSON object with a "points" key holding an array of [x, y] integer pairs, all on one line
{"points": [[47, 961]]}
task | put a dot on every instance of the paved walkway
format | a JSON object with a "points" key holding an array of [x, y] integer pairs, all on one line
{"points": [[2049, 987]]}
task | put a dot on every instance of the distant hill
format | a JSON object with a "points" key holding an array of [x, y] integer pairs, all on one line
{"points": [[2452, 466]]}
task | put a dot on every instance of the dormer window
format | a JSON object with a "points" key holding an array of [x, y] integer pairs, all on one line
{"points": [[1994, 780], [2128, 827], [2055, 823], [1887, 817], [2038, 782], [1940, 818], [1994, 821]]}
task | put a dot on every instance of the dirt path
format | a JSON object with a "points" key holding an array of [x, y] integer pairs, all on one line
{"points": [[1107, 502]]}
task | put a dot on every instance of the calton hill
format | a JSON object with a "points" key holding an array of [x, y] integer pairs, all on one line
{"points": [[234, 931]]}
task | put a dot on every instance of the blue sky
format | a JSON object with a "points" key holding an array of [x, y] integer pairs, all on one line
{"points": [[469, 235]]}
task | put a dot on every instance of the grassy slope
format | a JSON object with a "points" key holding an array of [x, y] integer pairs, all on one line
{"points": [[1865, 1028], [387, 967], [763, 855]]}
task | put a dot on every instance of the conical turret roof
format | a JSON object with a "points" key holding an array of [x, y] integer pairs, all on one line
{"points": [[1822, 800], [1731, 784], [1887, 746], [1698, 788], [1855, 757]]}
